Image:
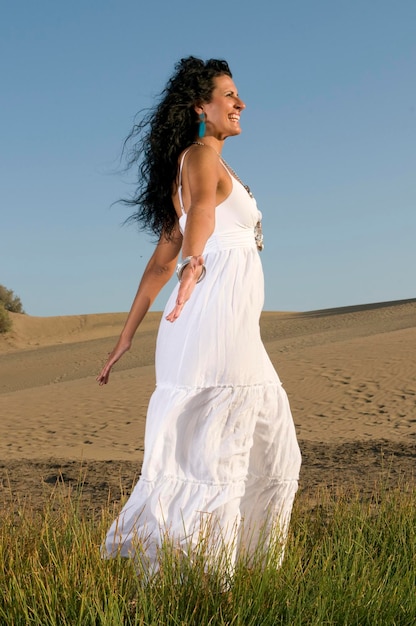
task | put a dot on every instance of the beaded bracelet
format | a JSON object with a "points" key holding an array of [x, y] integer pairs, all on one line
{"points": [[181, 266]]}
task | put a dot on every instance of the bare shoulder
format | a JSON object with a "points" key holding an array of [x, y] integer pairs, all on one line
{"points": [[201, 158], [203, 179]]}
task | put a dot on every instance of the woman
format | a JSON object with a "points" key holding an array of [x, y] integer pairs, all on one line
{"points": [[220, 444]]}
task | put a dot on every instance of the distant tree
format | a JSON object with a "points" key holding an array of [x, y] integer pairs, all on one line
{"points": [[5, 321], [9, 301]]}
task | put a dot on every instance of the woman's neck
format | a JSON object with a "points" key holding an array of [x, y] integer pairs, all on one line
{"points": [[212, 142]]}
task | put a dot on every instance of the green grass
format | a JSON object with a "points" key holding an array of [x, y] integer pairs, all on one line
{"points": [[347, 562]]}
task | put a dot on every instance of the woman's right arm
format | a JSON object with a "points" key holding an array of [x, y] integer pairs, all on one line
{"points": [[158, 271], [202, 172]]}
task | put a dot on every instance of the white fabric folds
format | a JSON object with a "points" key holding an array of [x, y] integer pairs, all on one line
{"points": [[220, 443]]}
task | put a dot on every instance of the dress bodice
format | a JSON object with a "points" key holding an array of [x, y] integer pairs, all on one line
{"points": [[236, 218]]}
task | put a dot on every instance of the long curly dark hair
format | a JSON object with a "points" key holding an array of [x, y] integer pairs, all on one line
{"points": [[156, 141]]}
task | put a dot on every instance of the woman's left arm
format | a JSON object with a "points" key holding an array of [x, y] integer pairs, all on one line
{"points": [[157, 273]]}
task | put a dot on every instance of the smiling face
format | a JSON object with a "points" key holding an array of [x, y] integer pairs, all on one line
{"points": [[223, 111]]}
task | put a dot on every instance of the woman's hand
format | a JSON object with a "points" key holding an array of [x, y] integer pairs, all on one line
{"points": [[190, 276], [121, 348]]}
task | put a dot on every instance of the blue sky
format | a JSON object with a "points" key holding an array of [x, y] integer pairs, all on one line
{"points": [[328, 143]]}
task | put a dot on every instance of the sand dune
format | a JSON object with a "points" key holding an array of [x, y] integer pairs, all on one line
{"points": [[33, 332], [350, 374]]}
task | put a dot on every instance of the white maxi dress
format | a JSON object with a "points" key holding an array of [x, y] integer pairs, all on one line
{"points": [[220, 442]]}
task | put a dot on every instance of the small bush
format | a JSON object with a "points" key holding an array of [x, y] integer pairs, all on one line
{"points": [[9, 301], [5, 321]]}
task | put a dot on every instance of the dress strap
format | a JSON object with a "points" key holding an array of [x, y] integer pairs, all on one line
{"points": [[180, 182], [180, 178], [226, 168]]}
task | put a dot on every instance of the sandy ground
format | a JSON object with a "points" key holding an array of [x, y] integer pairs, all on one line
{"points": [[350, 374]]}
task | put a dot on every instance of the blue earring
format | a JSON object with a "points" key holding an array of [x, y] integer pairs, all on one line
{"points": [[202, 125]]}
